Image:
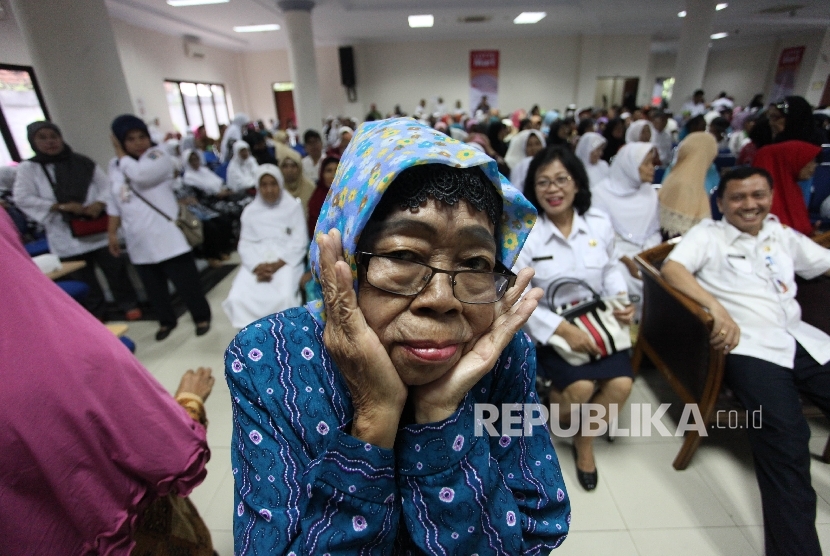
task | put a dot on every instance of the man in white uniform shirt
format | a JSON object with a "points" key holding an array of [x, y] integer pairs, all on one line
{"points": [[742, 269]]}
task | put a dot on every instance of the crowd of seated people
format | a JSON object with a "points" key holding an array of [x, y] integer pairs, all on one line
{"points": [[591, 175]]}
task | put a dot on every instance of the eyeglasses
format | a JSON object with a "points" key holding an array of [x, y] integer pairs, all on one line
{"points": [[783, 106], [561, 182], [409, 278]]}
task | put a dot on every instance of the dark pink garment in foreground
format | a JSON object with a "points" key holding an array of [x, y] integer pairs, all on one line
{"points": [[87, 435]]}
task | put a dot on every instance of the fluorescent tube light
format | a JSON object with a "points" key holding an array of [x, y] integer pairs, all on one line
{"points": [[256, 28], [529, 17], [180, 3], [717, 36], [426, 20], [681, 14], [723, 6]]}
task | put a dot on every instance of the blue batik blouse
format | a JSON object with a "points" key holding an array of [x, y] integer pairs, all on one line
{"points": [[304, 486]]}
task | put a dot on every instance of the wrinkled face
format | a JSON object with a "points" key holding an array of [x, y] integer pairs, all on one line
{"points": [[427, 334], [777, 120], [194, 161], [269, 189], [533, 145], [48, 141], [314, 147], [807, 172], [328, 174], [290, 170], [746, 203], [646, 168], [555, 189], [596, 154], [136, 143]]}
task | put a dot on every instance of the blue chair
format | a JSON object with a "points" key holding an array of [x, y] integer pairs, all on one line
{"points": [[820, 190], [723, 161], [659, 173], [129, 343], [75, 289], [38, 247]]}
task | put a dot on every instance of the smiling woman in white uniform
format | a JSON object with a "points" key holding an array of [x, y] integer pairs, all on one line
{"points": [[571, 240], [143, 174]]}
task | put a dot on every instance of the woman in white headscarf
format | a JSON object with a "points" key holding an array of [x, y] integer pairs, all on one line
{"points": [[233, 133], [629, 198], [272, 246], [521, 150], [589, 150], [640, 131], [242, 169], [200, 186]]}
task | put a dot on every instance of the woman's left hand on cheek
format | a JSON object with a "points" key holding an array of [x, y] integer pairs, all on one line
{"points": [[439, 399]]}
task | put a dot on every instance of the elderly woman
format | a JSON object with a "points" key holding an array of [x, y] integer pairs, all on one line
{"points": [[272, 248], [242, 168], [641, 130], [59, 189], [523, 147], [589, 150], [573, 241], [355, 420], [629, 198]]}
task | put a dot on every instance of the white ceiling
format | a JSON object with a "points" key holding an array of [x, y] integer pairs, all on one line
{"points": [[342, 22]]}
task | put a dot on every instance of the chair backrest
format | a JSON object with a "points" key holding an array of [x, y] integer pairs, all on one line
{"points": [[676, 328], [814, 295], [821, 188]]}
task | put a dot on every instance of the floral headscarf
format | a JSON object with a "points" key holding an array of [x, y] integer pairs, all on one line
{"points": [[377, 153]]}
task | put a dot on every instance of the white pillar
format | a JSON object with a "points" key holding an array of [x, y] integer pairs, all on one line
{"points": [[586, 78], [76, 63], [693, 51], [303, 64]]}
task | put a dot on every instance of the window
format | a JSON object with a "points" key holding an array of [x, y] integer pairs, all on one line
{"points": [[195, 104], [21, 103]]}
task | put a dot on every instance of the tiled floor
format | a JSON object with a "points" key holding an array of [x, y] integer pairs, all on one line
{"points": [[642, 506]]}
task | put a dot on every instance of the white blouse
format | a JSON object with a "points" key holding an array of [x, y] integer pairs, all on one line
{"points": [[587, 254]]}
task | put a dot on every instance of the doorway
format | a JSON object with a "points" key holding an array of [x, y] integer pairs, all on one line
{"points": [[619, 91], [284, 102]]}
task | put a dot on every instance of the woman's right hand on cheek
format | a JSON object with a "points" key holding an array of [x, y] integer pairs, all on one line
{"points": [[377, 391]]}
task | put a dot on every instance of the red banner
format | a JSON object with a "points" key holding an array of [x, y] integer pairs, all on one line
{"points": [[484, 80], [786, 73]]}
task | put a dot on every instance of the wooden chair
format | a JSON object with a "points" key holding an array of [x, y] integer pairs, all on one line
{"points": [[674, 334]]}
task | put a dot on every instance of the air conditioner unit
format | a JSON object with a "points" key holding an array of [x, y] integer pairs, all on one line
{"points": [[193, 48]]}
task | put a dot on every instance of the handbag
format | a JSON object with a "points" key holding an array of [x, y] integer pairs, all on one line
{"points": [[186, 221], [81, 226], [595, 317]]}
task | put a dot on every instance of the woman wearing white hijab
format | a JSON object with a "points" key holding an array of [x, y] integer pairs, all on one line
{"points": [[589, 151], [233, 133], [640, 131], [631, 201], [197, 175], [242, 169], [272, 246], [521, 150]]}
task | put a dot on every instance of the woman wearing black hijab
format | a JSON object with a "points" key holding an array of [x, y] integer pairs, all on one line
{"points": [[65, 192], [614, 138], [791, 119]]}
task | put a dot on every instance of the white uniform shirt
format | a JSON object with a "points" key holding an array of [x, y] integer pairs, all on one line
{"points": [[753, 277], [587, 254], [34, 195], [312, 170], [150, 237]]}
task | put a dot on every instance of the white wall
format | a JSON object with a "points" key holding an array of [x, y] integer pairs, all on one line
{"points": [[627, 56], [149, 58], [821, 72], [741, 72]]}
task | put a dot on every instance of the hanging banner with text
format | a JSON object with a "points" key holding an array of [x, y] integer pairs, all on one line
{"points": [[786, 73], [484, 80]]}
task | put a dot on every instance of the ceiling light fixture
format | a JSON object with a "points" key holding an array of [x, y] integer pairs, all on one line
{"points": [[723, 6], [426, 20], [529, 17], [681, 14], [180, 3], [256, 28], [717, 36]]}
